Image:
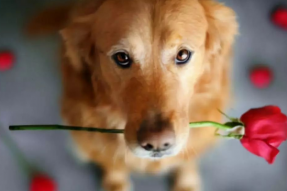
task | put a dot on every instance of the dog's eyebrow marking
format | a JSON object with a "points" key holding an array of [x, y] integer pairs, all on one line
{"points": [[116, 48], [171, 43], [133, 45], [170, 52]]}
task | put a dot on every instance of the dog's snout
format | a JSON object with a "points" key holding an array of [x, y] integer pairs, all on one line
{"points": [[156, 137]]}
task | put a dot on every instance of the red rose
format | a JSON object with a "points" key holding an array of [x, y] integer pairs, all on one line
{"points": [[265, 130], [279, 17], [42, 182], [7, 60]]}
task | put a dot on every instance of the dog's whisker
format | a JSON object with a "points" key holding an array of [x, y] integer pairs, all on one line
{"points": [[126, 153], [185, 153], [194, 151], [115, 156], [103, 149]]}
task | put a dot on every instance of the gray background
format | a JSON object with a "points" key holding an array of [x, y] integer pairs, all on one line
{"points": [[29, 94]]}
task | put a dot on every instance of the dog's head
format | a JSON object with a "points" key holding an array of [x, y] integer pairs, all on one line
{"points": [[146, 57]]}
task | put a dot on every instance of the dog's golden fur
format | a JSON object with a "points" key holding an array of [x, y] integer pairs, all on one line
{"points": [[99, 94]]}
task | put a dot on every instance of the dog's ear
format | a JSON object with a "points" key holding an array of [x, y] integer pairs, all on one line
{"points": [[77, 44], [221, 32], [79, 62], [48, 21], [77, 35], [222, 27]]}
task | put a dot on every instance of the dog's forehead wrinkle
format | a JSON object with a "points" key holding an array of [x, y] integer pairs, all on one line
{"points": [[184, 22], [151, 38]]}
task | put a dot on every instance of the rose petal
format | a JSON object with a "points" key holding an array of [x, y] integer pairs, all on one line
{"points": [[259, 113], [261, 149], [41, 182], [274, 126], [265, 123], [275, 142]]}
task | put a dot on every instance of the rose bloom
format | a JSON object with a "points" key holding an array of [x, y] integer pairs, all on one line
{"points": [[41, 182], [265, 130]]}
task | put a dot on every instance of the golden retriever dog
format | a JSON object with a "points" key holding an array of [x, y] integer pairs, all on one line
{"points": [[149, 67]]}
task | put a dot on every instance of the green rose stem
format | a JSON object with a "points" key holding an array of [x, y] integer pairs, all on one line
{"points": [[112, 131], [209, 124], [26, 167], [61, 127]]}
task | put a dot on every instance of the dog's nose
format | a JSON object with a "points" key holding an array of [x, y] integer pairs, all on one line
{"points": [[157, 137]]}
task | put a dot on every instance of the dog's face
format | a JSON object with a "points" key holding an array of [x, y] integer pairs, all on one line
{"points": [[149, 57]]}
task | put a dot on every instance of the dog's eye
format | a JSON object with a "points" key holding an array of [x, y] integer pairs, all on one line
{"points": [[183, 56], [122, 59]]}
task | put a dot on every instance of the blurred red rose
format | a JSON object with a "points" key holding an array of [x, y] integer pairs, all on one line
{"points": [[279, 17], [42, 182], [265, 130], [7, 60]]}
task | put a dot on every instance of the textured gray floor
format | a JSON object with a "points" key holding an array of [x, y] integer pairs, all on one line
{"points": [[29, 94]]}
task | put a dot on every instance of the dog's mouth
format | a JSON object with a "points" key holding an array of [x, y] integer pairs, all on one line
{"points": [[160, 155], [155, 154]]}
